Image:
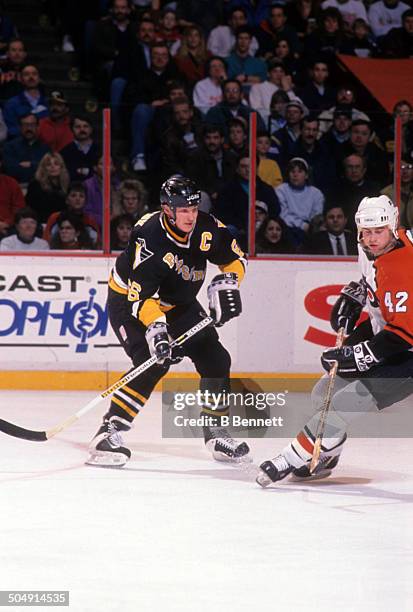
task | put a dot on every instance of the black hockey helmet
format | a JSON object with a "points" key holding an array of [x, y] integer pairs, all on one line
{"points": [[179, 192]]}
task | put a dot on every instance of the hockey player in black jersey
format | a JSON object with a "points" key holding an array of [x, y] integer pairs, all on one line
{"points": [[152, 298]]}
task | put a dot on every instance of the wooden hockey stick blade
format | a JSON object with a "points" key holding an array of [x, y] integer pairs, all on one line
{"points": [[42, 436]]}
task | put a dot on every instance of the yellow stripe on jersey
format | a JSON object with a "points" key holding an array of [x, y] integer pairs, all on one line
{"points": [[175, 236], [124, 406], [135, 394], [114, 285], [215, 412], [150, 311], [235, 266]]}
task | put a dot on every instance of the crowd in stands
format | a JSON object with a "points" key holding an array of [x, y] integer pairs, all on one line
{"points": [[182, 79]]}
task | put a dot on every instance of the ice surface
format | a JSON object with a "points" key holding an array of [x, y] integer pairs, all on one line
{"points": [[175, 531]]}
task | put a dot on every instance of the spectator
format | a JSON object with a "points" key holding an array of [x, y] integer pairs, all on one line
{"points": [[140, 53], [346, 97], [11, 200], [241, 65], [192, 55], [360, 43], [11, 67], [208, 92], [282, 52], [221, 40], [30, 100], [75, 203], [268, 169], [282, 142], [317, 95], [23, 154], [71, 234], [132, 199], [181, 139], [261, 93], [24, 238], [349, 9], [55, 130], [278, 108], [323, 166], [232, 204], [385, 15], [272, 237], [339, 133], [238, 137], [275, 26], [360, 143], [146, 96], [261, 213], [399, 42], [94, 192], [111, 43], [406, 200], [168, 30], [203, 12], [299, 202], [404, 110], [335, 239], [302, 16], [352, 187], [256, 12], [212, 167], [121, 228], [82, 153], [46, 193], [230, 107], [327, 40]]}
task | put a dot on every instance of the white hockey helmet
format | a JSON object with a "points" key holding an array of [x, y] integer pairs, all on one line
{"points": [[377, 212]]}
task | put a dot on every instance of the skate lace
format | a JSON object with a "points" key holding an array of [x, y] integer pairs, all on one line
{"points": [[114, 436], [281, 463], [225, 439]]}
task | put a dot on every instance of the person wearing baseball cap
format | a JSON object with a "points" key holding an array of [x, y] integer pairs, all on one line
{"points": [[55, 130]]}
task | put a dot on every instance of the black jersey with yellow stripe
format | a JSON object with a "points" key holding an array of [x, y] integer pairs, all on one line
{"points": [[162, 267]]}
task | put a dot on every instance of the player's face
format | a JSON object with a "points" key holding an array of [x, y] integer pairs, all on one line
{"points": [[377, 239], [185, 218]]}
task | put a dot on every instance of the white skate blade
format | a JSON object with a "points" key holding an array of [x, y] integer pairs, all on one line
{"points": [[263, 480], [319, 476], [106, 459]]}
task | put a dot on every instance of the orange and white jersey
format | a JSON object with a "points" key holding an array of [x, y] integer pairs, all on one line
{"points": [[389, 280]]}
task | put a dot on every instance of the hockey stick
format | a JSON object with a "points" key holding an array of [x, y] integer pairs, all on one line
{"points": [[325, 406], [42, 436]]}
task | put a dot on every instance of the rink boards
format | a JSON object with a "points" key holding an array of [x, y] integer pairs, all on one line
{"points": [[54, 330]]}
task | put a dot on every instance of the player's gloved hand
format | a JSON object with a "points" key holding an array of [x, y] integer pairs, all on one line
{"points": [[224, 298], [346, 311], [158, 341], [177, 354], [351, 359]]}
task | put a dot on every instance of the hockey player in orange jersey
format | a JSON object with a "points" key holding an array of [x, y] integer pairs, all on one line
{"points": [[375, 365]]}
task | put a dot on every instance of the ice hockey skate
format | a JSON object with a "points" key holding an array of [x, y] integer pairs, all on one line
{"points": [[106, 449], [224, 448]]}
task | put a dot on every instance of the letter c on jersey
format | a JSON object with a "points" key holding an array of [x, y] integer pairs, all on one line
{"points": [[205, 241]]}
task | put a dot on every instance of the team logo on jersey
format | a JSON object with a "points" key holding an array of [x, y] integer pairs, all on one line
{"points": [[371, 296], [142, 253]]}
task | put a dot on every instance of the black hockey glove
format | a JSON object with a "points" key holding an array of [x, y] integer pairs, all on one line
{"points": [[351, 359], [346, 311], [158, 341], [224, 298]]}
